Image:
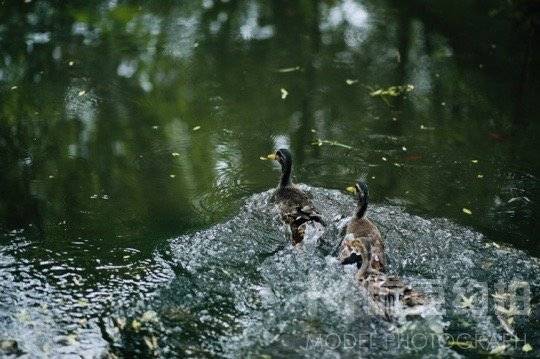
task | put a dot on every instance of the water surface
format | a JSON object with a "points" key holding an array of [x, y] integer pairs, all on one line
{"points": [[126, 124]]}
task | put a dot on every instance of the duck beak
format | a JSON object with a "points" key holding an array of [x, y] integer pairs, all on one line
{"points": [[351, 189], [271, 156]]}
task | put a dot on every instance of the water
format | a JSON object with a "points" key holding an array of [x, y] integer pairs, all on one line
{"points": [[103, 162]]}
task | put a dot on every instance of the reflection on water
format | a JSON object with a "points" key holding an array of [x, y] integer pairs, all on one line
{"points": [[124, 124]]}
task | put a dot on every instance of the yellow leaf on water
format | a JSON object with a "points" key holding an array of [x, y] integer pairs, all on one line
{"points": [[71, 63], [466, 211], [289, 69], [474, 161], [392, 91], [81, 93], [172, 176], [196, 128], [284, 94], [350, 82], [175, 154], [320, 142], [527, 348]]}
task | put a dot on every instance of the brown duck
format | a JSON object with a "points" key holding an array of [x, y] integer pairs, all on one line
{"points": [[296, 208], [363, 246]]}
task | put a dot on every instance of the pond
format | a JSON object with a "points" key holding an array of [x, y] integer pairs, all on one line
{"points": [[132, 189]]}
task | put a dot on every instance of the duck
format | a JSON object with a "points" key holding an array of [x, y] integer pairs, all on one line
{"points": [[363, 246], [295, 206], [363, 243]]}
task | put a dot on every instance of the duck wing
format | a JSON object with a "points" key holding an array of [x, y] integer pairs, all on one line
{"points": [[296, 210]]}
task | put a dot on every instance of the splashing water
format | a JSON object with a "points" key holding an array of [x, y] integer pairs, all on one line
{"points": [[241, 289]]}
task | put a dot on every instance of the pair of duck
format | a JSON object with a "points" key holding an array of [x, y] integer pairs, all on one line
{"points": [[362, 244]]}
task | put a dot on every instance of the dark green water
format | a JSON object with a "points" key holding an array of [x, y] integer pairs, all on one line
{"points": [[125, 124]]}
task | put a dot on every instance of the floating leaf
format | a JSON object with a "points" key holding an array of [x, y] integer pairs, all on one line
{"points": [[289, 69], [196, 128], [284, 94], [175, 154], [14, 87], [392, 91], [172, 176], [94, 196], [404, 148], [81, 93], [350, 82], [474, 161], [466, 211], [264, 158], [480, 176], [155, 127], [384, 159], [527, 348], [320, 142], [71, 63], [422, 127]]}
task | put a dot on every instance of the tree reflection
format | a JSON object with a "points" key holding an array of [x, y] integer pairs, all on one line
{"points": [[105, 94]]}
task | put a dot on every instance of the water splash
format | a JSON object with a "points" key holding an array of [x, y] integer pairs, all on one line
{"points": [[240, 288]]}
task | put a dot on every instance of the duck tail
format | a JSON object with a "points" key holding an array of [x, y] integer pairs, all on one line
{"points": [[363, 199]]}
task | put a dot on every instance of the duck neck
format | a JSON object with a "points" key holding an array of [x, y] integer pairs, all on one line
{"points": [[286, 170], [362, 207]]}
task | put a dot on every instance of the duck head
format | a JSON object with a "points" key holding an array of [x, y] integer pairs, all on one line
{"points": [[362, 195], [284, 157]]}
